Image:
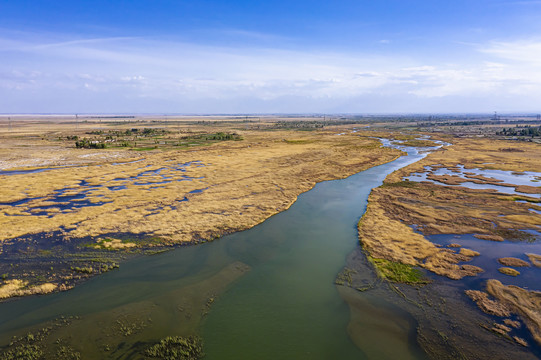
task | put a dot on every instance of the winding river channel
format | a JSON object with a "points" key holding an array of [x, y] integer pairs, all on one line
{"points": [[264, 293]]}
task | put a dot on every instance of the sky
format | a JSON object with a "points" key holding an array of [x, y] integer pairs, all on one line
{"points": [[241, 56]]}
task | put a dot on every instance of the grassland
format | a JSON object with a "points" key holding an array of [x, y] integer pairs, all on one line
{"points": [[400, 213], [200, 179]]}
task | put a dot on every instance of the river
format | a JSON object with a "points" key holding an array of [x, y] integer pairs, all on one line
{"points": [[264, 293]]}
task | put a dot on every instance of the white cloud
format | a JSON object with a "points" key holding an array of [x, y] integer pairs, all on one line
{"points": [[521, 51], [162, 72]]}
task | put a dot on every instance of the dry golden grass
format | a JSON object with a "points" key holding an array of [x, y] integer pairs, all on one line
{"points": [[535, 259], [493, 307], [385, 230], [244, 183], [468, 252], [514, 262], [509, 271], [15, 287], [527, 304]]}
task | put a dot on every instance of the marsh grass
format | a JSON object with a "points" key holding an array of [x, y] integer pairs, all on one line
{"points": [[404, 183], [398, 272], [509, 271], [516, 235]]}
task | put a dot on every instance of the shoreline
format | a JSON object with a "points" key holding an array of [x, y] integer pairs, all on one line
{"points": [[401, 213]]}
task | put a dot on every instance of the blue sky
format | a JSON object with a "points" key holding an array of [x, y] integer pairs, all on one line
{"points": [[364, 56]]}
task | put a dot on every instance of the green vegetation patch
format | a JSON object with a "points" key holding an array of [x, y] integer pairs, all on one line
{"points": [[177, 348], [89, 144], [403, 183], [398, 272], [24, 351]]}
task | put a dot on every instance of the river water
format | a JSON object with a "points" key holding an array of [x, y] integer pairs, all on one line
{"points": [[264, 293]]}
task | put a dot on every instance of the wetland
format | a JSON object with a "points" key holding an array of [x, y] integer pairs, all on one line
{"points": [[281, 262]]}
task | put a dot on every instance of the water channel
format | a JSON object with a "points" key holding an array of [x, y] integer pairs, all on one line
{"points": [[264, 293]]}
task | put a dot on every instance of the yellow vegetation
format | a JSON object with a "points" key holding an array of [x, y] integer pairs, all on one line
{"points": [[525, 303], [385, 230], [514, 262], [19, 288], [535, 259], [243, 183], [509, 271]]}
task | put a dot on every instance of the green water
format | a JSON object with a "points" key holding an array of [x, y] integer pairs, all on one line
{"points": [[265, 293]]}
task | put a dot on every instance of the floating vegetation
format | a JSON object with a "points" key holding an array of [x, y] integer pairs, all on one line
{"points": [[126, 327], [177, 348], [398, 272], [67, 353], [24, 351]]}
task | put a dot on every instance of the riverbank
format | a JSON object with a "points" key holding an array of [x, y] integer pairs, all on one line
{"points": [[415, 203], [279, 282]]}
